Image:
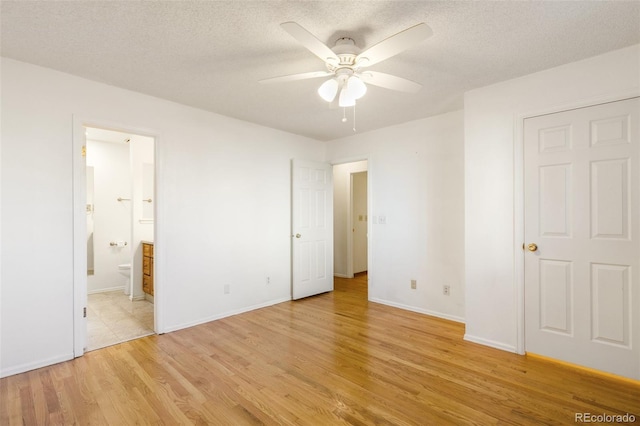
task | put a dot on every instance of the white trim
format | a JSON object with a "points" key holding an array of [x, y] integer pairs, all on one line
{"points": [[418, 310], [347, 160], [371, 266], [518, 232], [23, 368], [518, 175], [341, 276], [490, 343], [1, 237], [182, 326], [158, 238]]}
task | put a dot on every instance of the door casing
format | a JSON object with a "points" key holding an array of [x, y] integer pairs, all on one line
{"points": [[370, 265], [80, 227], [518, 195]]}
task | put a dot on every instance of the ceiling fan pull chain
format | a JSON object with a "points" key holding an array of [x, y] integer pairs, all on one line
{"points": [[354, 117]]}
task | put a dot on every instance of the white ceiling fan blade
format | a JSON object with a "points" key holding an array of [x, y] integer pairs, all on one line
{"points": [[294, 77], [310, 41], [389, 81], [394, 45]]}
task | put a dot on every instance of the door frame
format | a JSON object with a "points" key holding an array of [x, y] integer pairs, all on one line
{"points": [[370, 265], [519, 188], [80, 225]]}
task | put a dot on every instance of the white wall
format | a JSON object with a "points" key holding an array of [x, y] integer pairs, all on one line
{"points": [[111, 218], [416, 179], [493, 163], [215, 173], [341, 202]]}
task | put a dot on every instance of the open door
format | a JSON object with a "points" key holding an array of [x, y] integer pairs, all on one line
{"points": [[311, 228], [79, 238]]}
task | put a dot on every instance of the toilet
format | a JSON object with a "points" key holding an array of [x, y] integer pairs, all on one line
{"points": [[125, 270]]}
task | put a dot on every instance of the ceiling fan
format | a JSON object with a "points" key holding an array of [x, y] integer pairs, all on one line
{"points": [[346, 64]]}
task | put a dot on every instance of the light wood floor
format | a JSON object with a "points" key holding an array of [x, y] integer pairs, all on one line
{"points": [[329, 359]]}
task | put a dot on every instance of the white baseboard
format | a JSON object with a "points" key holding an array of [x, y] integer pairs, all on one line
{"points": [[107, 290], [490, 343], [419, 310], [22, 368], [341, 275], [169, 329]]}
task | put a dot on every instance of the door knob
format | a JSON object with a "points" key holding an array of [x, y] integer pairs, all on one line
{"points": [[298, 235], [532, 247]]}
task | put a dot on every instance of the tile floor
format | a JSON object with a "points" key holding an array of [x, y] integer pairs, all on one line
{"points": [[113, 318]]}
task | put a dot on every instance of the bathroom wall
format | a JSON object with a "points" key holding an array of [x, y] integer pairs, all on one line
{"points": [[142, 165], [111, 218]]}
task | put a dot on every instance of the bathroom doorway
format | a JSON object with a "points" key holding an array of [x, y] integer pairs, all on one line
{"points": [[120, 195]]}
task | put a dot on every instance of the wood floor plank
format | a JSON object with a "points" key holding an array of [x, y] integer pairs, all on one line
{"points": [[330, 359]]}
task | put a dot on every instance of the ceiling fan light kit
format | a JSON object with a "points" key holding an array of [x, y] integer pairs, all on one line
{"points": [[329, 89], [345, 61], [356, 87], [346, 99]]}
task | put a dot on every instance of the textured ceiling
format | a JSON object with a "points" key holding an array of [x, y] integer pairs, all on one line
{"points": [[211, 54]]}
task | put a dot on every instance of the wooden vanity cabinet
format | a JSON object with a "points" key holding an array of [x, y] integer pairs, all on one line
{"points": [[147, 268]]}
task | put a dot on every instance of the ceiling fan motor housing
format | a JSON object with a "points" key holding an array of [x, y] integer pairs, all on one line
{"points": [[346, 50]]}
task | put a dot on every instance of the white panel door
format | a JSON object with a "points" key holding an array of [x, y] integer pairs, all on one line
{"points": [[582, 195], [312, 228]]}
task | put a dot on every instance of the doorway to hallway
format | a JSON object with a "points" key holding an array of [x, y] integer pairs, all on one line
{"points": [[351, 219]]}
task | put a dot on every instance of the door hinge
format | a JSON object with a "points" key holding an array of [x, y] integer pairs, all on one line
{"points": [[84, 151], [84, 312]]}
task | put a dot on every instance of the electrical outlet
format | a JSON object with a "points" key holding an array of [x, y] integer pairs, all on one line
{"points": [[268, 280], [446, 290], [227, 289], [414, 284]]}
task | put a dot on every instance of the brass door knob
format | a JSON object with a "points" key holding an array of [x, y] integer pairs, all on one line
{"points": [[532, 247], [298, 235]]}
